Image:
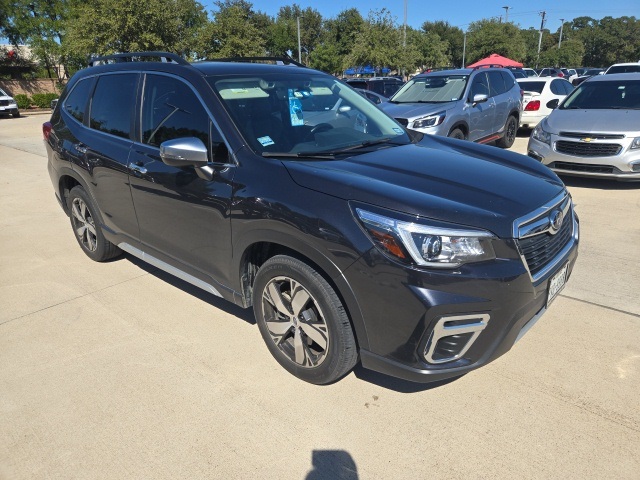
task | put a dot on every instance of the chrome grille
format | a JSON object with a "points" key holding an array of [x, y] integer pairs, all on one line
{"points": [[4, 103], [539, 250], [583, 149], [593, 136], [540, 239]]}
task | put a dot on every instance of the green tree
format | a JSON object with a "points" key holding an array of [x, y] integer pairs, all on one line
{"points": [[338, 37], [490, 36], [452, 36], [285, 30], [39, 24], [102, 27], [432, 50], [234, 32], [378, 44]]}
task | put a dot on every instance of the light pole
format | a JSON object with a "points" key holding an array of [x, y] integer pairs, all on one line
{"points": [[543, 14], [464, 48], [560, 39], [506, 14], [299, 50]]}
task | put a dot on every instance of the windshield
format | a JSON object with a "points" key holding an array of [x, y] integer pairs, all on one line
{"points": [[621, 94], [3, 93], [623, 69], [532, 86], [432, 89], [303, 113]]}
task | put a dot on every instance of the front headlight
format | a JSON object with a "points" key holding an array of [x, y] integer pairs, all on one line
{"points": [[426, 245], [430, 121], [635, 143], [540, 134]]}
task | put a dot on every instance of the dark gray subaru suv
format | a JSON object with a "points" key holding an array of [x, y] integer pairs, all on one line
{"points": [[280, 188]]}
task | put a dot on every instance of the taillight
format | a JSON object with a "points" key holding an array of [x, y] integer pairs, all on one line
{"points": [[532, 106], [560, 74], [46, 130]]}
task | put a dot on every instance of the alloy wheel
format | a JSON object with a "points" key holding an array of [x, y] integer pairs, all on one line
{"points": [[83, 224]]}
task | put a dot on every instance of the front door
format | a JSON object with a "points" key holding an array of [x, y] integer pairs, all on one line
{"points": [[481, 115], [184, 219]]}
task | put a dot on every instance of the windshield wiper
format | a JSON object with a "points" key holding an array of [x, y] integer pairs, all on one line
{"points": [[360, 145], [326, 155]]}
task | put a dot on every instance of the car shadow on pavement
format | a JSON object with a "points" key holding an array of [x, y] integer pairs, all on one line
{"points": [[245, 314], [397, 384]]}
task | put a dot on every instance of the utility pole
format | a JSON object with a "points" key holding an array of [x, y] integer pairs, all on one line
{"points": [[404, 37], [299, 50], [543, 14], [464, 48], [506, 14], [561, 26]]}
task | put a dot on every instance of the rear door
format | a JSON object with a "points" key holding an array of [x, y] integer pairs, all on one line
{"points": [[111, 115], [501, 98]]}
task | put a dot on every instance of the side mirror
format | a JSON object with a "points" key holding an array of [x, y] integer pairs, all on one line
{"points": [[480, 98], [182, 152], [344, 109], [553, 104]]}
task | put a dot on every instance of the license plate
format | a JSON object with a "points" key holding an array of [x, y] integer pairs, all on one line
{"points": [[557, 282]]}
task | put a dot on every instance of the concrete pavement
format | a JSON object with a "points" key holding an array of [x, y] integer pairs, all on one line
{"points": [[116, 370]]}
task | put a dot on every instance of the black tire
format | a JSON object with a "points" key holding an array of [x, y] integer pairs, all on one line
{"points": [[510, 131], [16, 114], [457, 133], [86, 226], [302, 321]]}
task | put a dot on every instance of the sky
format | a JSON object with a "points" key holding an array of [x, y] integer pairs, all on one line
{"points": [[462, 12]]}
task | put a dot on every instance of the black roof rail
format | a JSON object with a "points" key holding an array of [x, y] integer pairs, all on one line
{"points": [[282, 60], [166, 57]]}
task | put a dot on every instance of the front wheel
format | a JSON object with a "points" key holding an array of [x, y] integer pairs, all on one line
{"points": [[302, 321], [510, 130], [16, 114], [456, 133]]}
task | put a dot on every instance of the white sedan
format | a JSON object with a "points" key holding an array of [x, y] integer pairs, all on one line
{"points": [[539, 97]]}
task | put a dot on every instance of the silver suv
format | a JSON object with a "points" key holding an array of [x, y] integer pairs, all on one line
{"points": [[481, 105]]}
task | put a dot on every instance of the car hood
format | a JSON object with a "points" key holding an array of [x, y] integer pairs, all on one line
{"points": [[594, 121], [440, 178], [414, 110], [5, 97]]}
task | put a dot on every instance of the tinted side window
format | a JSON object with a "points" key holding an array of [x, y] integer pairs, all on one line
{"points": [[497, 83], [556, 87], [508, 80], [113, 103], [171, 110], [76, 102], [568, 88], [480, 85]]}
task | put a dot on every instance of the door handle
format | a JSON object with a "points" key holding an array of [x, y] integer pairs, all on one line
{"points": [[138, 168], [80, 147]]}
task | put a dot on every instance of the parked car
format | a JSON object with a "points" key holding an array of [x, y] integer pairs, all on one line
{"points": [[376, 98], [385, 86], [539, 94], [595, 132], [8, 104], [481, 105], [623, 68], [530, 72], [352, 238], [587, 74], [552, 72]]}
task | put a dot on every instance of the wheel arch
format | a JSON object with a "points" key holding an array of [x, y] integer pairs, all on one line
{"points": [[462, 125], [267, 244]]}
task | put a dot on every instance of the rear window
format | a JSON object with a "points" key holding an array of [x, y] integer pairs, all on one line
{"points": [[624, 69], [532, 86]]}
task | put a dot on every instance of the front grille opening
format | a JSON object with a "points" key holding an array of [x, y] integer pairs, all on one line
{"points": [[539, 250], [580, 149], [451, 346], [582, 167]]}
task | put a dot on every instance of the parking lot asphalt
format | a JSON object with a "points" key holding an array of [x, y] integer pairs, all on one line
{"points": [[117, 370]]}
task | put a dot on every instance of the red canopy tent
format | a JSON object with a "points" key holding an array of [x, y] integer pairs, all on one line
{"points": [[495, 59]]}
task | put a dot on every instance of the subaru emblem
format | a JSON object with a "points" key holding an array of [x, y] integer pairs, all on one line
{"points": [[556, 219]]}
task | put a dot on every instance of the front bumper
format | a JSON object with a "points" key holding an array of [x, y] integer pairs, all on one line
{"points": [[12, 109], [623, 166], [405, 307]]}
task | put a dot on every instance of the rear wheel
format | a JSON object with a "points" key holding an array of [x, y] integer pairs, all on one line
{"points": [[87, 229], [510, 130], [456, 133], [302, 321]]}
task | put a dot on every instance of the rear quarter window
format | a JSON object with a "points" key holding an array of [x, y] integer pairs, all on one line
{"points": [[75, 104]]}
